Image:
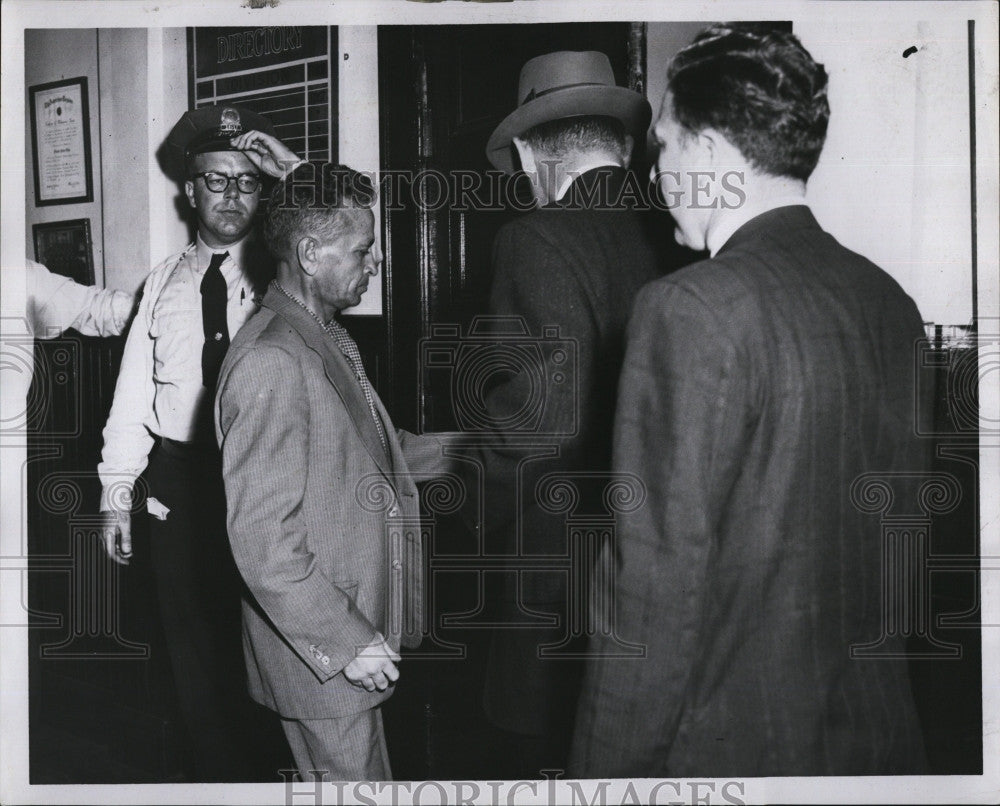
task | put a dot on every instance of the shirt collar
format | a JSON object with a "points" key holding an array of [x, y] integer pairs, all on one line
{"points": [[579, 171], [205, 252]]}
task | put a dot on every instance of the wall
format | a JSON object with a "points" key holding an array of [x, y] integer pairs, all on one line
{"points": [[893, 180], [122, 64], [167, 98], [54, 55], [358, 129], [116, 62]]}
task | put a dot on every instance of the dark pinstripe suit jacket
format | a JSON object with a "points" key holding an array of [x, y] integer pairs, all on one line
{"points": [[757, 386], [323, 525]]}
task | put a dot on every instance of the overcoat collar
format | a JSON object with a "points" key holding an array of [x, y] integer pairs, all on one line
{"points": [[789, 217], [338, 371]]}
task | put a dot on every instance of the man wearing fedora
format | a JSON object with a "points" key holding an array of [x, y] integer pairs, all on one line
{"points": [[574, 263], [161, 423]]}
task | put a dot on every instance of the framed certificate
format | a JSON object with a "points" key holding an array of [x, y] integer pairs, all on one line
{"points": [[64, 247], [60, 142]]}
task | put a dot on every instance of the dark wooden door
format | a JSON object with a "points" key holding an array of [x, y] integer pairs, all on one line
{"points": [[443, 89]]}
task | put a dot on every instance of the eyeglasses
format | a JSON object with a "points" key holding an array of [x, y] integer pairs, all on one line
{"points": [[219, 183]]}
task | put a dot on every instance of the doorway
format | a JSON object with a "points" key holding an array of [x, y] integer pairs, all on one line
{"points": [[443, 90]]}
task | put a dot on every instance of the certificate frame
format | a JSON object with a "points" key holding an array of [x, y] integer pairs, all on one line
{"points": [[65, 247], [60, 142]]}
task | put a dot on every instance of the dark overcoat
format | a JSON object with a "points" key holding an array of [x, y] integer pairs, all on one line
{"points": [[569, 271], [763, 393]]}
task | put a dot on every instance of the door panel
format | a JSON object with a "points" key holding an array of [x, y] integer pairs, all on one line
{"points": [[443, 89]]}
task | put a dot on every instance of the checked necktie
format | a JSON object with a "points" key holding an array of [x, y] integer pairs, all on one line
{"points": [[349, 348], [351, 352], [213, 318]]}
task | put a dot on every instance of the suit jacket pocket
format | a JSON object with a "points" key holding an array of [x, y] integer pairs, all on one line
{"points": [[350, 588]]}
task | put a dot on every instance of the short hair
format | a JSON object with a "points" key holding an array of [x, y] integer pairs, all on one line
{"points": [[760, 88], [309, 201], [557, 138]]}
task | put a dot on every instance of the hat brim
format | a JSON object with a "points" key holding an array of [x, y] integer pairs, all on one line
{"points": [[192, 135], [617, 102]]}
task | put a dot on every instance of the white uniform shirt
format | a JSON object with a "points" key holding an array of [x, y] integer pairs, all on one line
{"points": [[159, 390], [56, 303]]}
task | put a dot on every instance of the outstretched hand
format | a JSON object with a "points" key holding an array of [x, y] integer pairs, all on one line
{"points": [[266, 152]]}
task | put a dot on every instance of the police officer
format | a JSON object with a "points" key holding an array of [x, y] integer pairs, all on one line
{"points": [[192, 305]]}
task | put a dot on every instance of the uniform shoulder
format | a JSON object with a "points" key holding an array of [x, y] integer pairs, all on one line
{"points": [[162, 270], [168, 263]]}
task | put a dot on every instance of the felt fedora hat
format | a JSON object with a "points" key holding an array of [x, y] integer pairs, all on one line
{"points": [[566, 84]]}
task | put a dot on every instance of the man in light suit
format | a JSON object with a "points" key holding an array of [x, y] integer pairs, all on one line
{"points": [[335, 581], [757, 388]]}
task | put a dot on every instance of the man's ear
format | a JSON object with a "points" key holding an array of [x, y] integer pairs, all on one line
{"points": [[712, 146], [527, 155], [189, 191], [629, 146], [305, 251]]}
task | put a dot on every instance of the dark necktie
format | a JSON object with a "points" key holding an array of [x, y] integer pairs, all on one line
{"points": [[213, 318]]}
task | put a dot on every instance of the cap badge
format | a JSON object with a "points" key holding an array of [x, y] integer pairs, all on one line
{"points": [[229, 122]]}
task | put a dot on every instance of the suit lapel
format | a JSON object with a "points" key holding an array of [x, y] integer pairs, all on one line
{"points": [[338, 372]]}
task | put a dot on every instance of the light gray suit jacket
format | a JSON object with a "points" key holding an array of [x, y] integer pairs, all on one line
{"points": [[323, 525]]}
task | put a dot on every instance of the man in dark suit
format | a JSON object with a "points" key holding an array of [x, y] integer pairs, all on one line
{"points": [[319, 486], [757, 387], [569, 268]]}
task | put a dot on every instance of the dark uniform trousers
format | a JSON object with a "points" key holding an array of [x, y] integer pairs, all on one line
{"points": [[199, 590]]}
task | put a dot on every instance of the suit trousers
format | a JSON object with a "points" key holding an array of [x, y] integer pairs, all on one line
{"points": [[350, 748], [531, 697], [198, 588]]}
